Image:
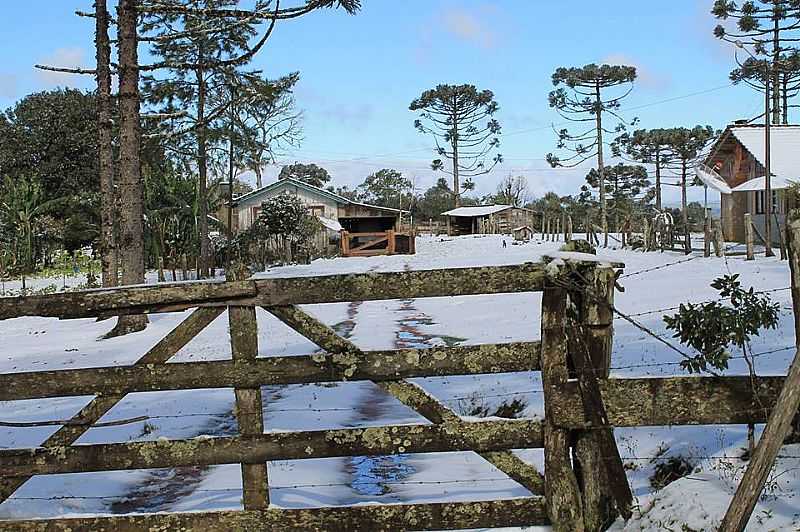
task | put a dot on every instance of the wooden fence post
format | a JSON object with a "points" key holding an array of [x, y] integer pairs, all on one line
{"points": [[184, 267], [781, 237], [561, 487], [779, 424], [719, 240], [390, 242], [568, 234], [748, 235], [707, 235], [646, 232], [601, 476], [345, 241], [249, 409], [161, 277]]}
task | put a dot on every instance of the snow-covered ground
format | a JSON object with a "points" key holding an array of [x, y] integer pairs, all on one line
{"points": [[653, 281]]}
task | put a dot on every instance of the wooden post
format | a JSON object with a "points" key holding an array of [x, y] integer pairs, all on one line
{"points": [[719, 241], [781, 237], [646, 234], [449, 231], [707, 235], [249, 409], [601, 476], [184, 266], [748, 235], [780, 419], [568, 235], [391, 244], [561, 487], [557, 230], [345, 242], [161, 277]]}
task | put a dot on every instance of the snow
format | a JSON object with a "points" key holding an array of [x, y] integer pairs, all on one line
{"points": [[653, 281], [481, 210], [784, 145], [760, 183]]}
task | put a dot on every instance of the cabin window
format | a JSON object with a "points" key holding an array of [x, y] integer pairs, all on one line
{"points": [[317, 210], [761, 205]]}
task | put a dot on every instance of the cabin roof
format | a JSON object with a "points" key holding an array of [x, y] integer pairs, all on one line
{"points": [[480, 210], [784, 147], [282, 183]]}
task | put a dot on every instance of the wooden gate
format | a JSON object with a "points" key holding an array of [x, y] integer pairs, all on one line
{"points": [[585, 485]]}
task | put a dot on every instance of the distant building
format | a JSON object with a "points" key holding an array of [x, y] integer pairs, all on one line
{"points": [[335, 212], [735, 168], [487, 219]]}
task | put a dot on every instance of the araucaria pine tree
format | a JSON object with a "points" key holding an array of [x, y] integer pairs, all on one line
{"points": [[460, 119], [587, 95], [647, 146], [627, 185], [772, 29]]}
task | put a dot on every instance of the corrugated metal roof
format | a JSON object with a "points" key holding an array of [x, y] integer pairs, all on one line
{"points": [[784, 148], [481, 210]]}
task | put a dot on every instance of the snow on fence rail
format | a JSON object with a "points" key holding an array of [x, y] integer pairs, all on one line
{"points": [[581, 403]]}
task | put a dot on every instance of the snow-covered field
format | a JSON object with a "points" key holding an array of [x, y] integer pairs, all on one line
{"points": [[653, 281]]}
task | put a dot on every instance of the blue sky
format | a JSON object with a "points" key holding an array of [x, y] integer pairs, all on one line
{"points": [[359, 73]]}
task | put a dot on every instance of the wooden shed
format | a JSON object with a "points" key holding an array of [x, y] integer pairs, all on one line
{"points": [[487, 219], [523, 233]]}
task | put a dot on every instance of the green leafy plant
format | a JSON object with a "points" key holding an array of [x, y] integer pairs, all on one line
{"points": [[711, 328]]}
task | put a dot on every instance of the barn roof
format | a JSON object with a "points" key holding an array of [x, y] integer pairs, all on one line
{"points": [[480, 210], [281, 183]]}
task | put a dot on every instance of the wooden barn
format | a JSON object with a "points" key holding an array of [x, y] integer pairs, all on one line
{"points": [[487, 219], [735, 168], [347, 224]]}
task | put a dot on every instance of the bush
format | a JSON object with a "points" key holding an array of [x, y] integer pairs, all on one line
{"points": [[665, 473]]}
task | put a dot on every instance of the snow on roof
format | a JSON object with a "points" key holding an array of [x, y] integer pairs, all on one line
{"points": [[712, 179], [481, 210], [333, 225], [759, 183], [784, 148]]}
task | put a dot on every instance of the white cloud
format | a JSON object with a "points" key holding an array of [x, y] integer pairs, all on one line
{"points": [[469, 25], [644, 74], [65, 58]]}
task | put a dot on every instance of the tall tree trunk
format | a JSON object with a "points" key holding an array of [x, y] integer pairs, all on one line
{"points": [[687, 246], [259, 175], [785, 96], [202, 168], [600, 168], [454, 144], [776, 56], [108, 244], [658, 180], [131, 191]]}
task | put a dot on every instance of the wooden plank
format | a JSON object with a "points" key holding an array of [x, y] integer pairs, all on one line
{"points": [[371, 441], [748, 236], [410, 394], [368, 518], [249, 408], [100, 405], [561, 486], [780, 420], [123, 300], [371, 365], [364, 246], [527, 277], [669, 401]]}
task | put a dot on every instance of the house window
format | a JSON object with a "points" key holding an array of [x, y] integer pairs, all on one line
{"points": [[761, 205], [317, 210], [255, 212]]}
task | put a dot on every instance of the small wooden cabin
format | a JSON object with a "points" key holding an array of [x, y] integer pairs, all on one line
{"points": [[487, 219], [337, 214], [523, 233], [735, 168]]}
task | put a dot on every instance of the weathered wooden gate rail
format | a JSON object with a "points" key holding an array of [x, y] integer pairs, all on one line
{"points": [[569, 342]]}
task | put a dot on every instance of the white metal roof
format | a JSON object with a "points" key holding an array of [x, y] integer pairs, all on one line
{"points": [[481, 210], [333, 225], [712, 179], [759, 183], [784, 148]]}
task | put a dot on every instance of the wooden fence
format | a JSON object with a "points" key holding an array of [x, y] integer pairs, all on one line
{"points": [[378, 243], [584, 487]]}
